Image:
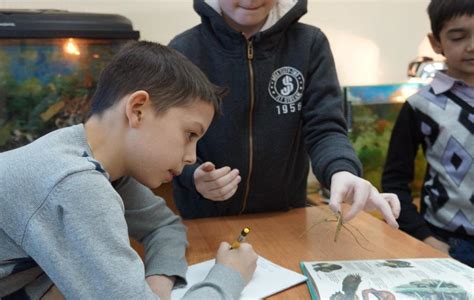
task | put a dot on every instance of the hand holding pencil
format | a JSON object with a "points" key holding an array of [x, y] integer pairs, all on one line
{"points": [[240, 256]]}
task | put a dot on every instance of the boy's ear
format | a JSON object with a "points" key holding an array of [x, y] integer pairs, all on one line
{"points": [[135, 106], [435, 44]]}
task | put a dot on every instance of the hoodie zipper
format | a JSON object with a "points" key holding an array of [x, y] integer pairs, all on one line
{"points": [[250, 124]]}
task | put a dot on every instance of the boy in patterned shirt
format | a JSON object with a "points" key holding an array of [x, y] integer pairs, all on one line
{"points": [[440, 118]]}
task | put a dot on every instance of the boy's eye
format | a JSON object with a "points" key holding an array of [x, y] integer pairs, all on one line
{"points": [[191, 136], [457, 37]]}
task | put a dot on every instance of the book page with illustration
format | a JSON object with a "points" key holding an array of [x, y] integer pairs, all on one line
{"points": [[431, 278]]}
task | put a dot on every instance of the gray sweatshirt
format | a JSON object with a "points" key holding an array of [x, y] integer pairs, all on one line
{"points": [[62, 221]]}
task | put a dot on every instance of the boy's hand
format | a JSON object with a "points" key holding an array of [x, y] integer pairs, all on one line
{"points": [[161, 285], [346, 187], [437, 244], [216, 184], [242, 259]]}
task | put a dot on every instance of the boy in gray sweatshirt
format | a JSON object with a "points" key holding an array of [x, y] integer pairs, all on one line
{"points": [[70, 200]]}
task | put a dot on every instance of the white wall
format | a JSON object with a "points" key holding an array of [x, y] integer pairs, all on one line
{"points": [[372, 40]]}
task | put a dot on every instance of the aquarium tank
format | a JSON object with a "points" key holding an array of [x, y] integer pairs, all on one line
{"points": [[50, 61], [371, 112]]}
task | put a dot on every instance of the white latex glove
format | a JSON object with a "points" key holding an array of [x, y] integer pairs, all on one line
{"points": [[362, 195]]}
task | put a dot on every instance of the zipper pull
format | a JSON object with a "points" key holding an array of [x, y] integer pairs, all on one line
{"points": [[249, 50]]}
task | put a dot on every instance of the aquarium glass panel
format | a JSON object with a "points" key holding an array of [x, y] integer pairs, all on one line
{"points": [[373, 111], [47, 84]]}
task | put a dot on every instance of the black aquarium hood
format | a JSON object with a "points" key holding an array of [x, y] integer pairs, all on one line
{"points": [[48, 23]]}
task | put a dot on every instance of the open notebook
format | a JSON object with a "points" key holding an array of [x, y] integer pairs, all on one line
{"points": [[268, 279]]}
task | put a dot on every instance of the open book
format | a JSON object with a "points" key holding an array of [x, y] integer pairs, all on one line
{"points": [[391, 279], [268, 279]]}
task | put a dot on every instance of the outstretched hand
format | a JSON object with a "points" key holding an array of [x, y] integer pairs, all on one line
{"points": [[216, 184], [362, 195]]}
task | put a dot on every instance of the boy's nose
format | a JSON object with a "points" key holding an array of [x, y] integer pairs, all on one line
{"points": [[190, 157], [470, 46]]}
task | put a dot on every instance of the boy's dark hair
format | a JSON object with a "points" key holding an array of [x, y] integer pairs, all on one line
{"points": [[442, 11], [169, 78]]}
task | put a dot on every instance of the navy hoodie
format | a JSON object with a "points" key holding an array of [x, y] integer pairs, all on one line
{"points": [[284, 106]]}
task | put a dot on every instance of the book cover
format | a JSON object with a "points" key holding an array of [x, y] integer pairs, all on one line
{"points": [[390, 279]]}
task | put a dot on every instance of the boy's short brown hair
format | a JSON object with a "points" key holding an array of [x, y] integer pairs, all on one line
{"points": [[441, 11]]}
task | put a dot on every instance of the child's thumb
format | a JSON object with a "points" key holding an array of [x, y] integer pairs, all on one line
{"points": [[208, 166]]}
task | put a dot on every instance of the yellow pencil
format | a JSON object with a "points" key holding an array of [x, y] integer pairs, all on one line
{"points": [[241, 238]]}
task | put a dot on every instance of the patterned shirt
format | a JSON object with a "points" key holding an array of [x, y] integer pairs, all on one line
{"points": [[440, 118]]}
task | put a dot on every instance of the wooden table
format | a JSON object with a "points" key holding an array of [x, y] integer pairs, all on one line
{"points": [[281, 238]]}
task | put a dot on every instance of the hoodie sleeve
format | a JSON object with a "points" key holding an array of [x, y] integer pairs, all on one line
{"points": [[152, 223], [220, 283], [79, 238], [324, 126]]}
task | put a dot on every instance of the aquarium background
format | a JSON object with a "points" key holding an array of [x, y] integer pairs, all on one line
{"points": [[47, 84], [371, 112]]}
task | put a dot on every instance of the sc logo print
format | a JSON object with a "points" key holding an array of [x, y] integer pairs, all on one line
{"points": [[286, 85]]}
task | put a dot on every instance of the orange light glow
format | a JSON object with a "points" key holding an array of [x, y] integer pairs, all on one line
{"points": [[71, 47], [402, 94]]}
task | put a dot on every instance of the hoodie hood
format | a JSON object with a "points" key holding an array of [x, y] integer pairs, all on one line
{"points": [[276, 13], [282, 15]]}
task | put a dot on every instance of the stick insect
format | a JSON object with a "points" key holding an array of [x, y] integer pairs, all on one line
{"points": [[339, 226]]}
